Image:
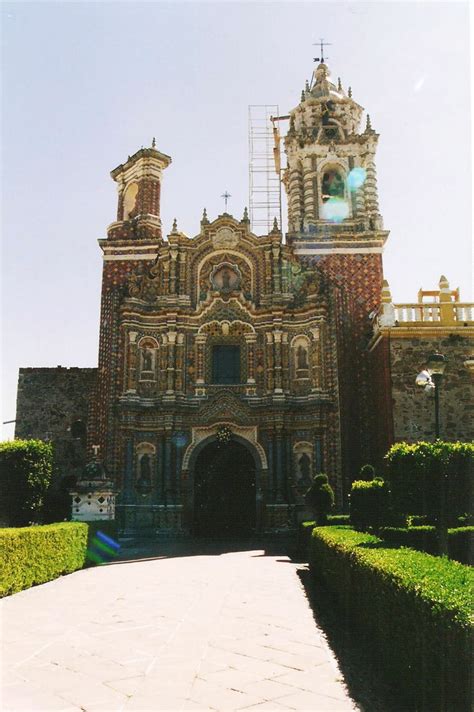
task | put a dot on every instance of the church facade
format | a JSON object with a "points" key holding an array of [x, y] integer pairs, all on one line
{"points": [[232, 366]]}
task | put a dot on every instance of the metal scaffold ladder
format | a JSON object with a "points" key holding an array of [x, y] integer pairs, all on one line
{"points": [[264, 170]]}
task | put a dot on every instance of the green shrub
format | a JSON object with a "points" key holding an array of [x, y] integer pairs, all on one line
{"points": [[423, 538], [320, 497], [412, 612], [416, 474], [367, 473], [368, 504], [26, 468], [31, 555], [461, 545]]}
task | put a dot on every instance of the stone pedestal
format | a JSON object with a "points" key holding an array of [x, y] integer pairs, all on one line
{"points": [[93, 497]]}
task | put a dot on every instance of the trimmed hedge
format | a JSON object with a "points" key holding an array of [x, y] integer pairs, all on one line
{"points": [[26, 468], [411, 611], [415, 473], [424, 538], [32, 555], [368, 503]]}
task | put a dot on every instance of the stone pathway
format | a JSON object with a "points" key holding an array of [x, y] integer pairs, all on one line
{"points": [[178, 630]]}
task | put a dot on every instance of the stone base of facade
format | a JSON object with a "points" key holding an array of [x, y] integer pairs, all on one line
{"points": [[169, 521]]}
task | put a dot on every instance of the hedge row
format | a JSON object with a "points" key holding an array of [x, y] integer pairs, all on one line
{"points": [[31, 555], [418, 472], [424, 538], [411, 611]]}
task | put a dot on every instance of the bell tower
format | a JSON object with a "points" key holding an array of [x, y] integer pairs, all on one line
{"points": [[335, 225]]}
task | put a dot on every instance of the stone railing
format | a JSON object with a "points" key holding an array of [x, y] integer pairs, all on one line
{"points": [[425, 314], [433, 312]]}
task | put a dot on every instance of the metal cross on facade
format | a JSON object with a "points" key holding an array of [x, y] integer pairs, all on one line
{"points": [[322, 44], [226, 197]]}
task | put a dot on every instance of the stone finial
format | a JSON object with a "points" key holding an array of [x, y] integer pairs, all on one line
{"points": [[275, 227], [339, 85], [174, 229], [443, 284], [153, 143], [204, 219], [386, 316], [302, 95], [349, 92], [246, 216], [368, 125], [386, 293], [306, 86]]}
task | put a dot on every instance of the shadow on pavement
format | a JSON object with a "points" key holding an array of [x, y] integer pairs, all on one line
{"points": [[363, 686], [146, 550]]}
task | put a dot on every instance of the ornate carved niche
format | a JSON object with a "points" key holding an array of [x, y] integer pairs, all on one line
{"points": [[300, 358], [147, 358], [303, 468], [226, 278], [145, 467], [226, 274]]}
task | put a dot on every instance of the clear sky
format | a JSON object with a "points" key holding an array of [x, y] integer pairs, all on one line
{"points": [[87, 83]]}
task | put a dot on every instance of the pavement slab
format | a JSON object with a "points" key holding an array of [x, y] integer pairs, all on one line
{"points": [[170, 627]]}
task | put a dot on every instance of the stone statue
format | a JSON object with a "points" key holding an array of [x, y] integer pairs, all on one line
{"points": [[302, 358], [147, 360]]}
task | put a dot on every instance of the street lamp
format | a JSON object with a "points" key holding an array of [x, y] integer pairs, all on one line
{"points": [[430, 379]]}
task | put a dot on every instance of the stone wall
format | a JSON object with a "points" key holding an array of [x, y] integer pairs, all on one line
{"points": [[413, 409], [53, 404]]}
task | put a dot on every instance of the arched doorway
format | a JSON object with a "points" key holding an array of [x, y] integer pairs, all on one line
{"points": [[224, 490]]}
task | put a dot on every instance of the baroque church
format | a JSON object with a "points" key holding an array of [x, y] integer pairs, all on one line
{"points": [[233, 366]]}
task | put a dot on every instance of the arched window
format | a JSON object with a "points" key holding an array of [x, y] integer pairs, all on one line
{"points": [[332, 184]]}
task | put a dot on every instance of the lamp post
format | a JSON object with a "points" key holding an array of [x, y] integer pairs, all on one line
{"points": [[430, 379]]}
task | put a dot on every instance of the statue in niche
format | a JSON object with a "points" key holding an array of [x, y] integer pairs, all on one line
{"points": [[147, 360], [225, 279], [302, 358], [304, 464], [144, 479], [332, 185]]}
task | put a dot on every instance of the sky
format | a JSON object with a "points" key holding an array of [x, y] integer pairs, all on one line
{"points": [[85, 84]]}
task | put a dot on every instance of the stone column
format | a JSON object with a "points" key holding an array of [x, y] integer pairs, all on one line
{"points": [[200, 364], [295, 198], [171, 338], [182, 273], [308, 192], [276, 269], [251, 341], [173, 256], [169, 490], [270, 363], [132, 362], [179, 380], [277, 336], [279, 469]]}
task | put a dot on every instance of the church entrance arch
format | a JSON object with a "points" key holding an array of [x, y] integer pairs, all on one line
{"points": [[224, 489]]}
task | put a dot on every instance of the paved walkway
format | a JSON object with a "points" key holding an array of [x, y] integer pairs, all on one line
{"points": [[188, 631]]}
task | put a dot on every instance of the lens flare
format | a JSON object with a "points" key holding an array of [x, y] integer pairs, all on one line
{"points": [[356, 178], [103, 548], [335, 210]]}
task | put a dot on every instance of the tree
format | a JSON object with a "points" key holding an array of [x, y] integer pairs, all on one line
{"points": [[26, 468], [320, 497]]}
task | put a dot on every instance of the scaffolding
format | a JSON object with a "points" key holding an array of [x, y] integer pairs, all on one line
{"points": [[264, 168]]}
